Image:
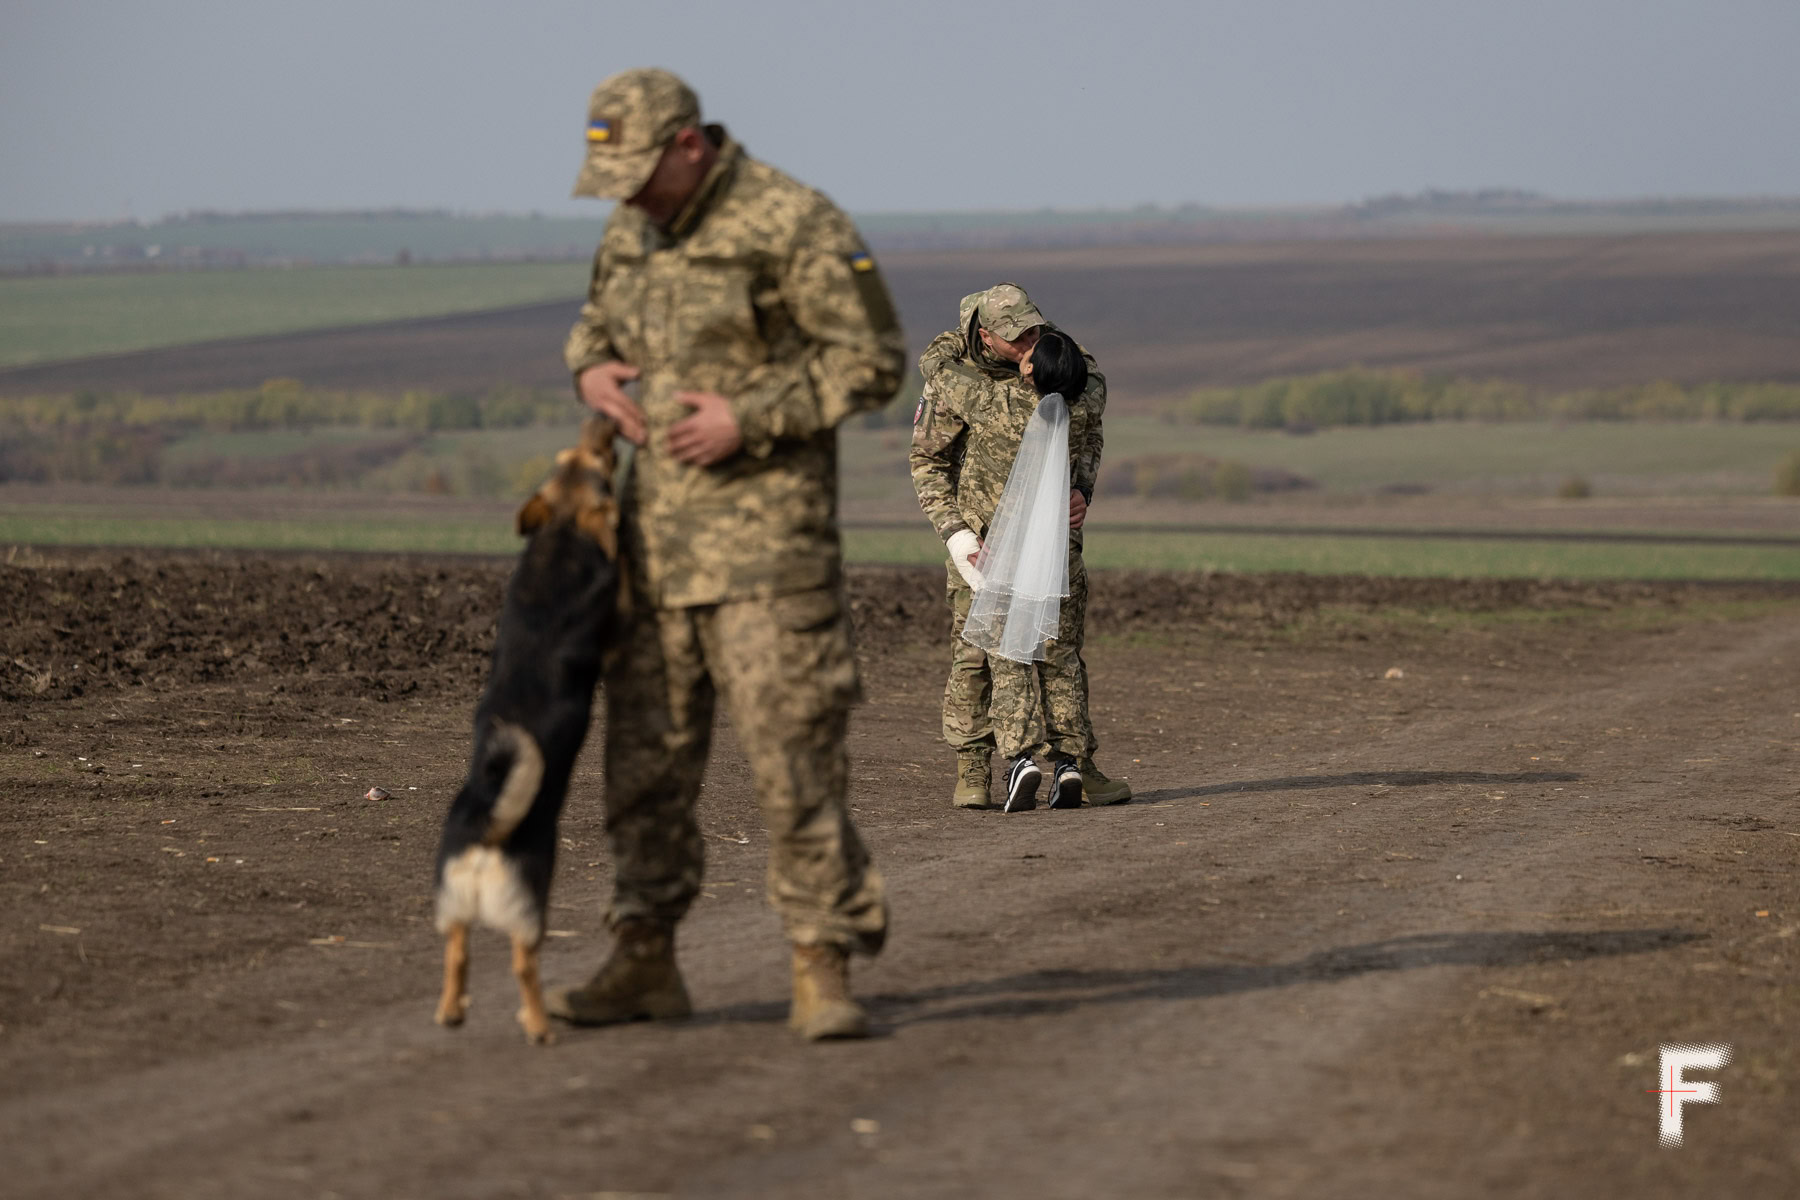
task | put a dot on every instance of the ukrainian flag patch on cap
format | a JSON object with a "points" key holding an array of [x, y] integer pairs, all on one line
{"points": [[860, 261], [601, 130]]}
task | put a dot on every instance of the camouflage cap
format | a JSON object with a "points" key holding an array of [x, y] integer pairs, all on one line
{"points": [[631, 117], [1007, 312]]}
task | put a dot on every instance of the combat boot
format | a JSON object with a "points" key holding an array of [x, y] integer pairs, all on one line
{"points": [[1100, 790], [972, 781], [638, 981], [822, 1004]]}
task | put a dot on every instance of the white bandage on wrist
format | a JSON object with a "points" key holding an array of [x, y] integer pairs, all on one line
{"points": [[962, 544]]}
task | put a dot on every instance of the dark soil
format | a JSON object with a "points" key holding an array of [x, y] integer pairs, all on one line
{"points": [[1418, 877]]}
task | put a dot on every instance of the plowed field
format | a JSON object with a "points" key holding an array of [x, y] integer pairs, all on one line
{"points": [[1554, 312]]}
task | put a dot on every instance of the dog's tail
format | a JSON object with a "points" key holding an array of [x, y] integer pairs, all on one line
{"points": [[522, 780]]}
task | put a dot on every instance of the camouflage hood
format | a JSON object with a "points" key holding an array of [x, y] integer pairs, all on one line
{"points": [[973, 352]]}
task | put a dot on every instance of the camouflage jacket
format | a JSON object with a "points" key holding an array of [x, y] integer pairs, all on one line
{"points": [[972, 415], [760, 290]]}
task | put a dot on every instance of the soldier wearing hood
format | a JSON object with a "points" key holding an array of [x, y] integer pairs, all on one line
{"points": [[972, 414]]}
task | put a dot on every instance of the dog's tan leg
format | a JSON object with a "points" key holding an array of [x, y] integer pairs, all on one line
{"points": [[453, 1005], [531, 992]]}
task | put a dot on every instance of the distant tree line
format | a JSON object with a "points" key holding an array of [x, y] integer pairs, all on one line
{"points": [[1357, 396], [287, 404], [125, 438], [1787, 476], [1196, 477]]}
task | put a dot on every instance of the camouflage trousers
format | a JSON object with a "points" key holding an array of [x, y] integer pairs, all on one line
{"points": [[785, 669], [993, 703]]}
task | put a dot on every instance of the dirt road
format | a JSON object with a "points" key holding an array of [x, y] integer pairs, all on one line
{"points": [[1358, 934]]}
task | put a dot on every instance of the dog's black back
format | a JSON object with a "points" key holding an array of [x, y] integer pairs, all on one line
{"points": [[554, 626]]}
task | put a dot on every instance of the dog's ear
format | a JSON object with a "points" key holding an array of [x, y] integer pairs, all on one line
{"points": [[597, 436], [601, 523], [535, 513]]}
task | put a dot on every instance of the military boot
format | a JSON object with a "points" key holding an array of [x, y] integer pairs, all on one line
{"points": [[1100, 790], [822, 1004], [972, 781], [638, 981]]}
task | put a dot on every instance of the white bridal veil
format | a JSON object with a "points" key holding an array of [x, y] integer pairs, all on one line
{"points": [[1024, 561]]}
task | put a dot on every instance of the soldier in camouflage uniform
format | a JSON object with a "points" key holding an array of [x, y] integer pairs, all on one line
{"points": [[971, 417], [753, 320]]}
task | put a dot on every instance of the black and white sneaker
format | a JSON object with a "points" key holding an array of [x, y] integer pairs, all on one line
{"points": [[1022, 784], [1065, 784]]}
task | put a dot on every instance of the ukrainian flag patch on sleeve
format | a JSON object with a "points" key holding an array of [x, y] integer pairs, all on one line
{"points": [[876, 302], [601, 129]]}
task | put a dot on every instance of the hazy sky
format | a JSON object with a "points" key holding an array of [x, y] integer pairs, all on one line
{"points": [[111, 108]]}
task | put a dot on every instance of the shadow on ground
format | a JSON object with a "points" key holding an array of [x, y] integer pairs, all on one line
{"points": [[1035, 993], [1299, 783], [1056, 991]]}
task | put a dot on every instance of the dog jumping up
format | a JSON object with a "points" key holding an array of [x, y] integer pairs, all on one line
{"points": [[498, 851]]}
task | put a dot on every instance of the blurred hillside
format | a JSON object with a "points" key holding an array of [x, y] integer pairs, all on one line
{"points": [[212, 239], [1550, 313]]}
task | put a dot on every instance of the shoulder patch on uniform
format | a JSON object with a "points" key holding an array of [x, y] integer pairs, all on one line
{"points": [[873, 292]]}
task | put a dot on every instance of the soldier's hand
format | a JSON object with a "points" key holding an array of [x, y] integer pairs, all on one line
{"points": [[1077, 509], [711, 435], [601, 390], [965, 548]]}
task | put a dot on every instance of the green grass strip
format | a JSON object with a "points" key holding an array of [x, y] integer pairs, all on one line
{"points": [[1323, 555], [50, 318], [1348, 555], [427, 535]]}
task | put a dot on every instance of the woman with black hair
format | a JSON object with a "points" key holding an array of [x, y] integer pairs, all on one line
{"points": [[984, 383], [1021, 572], [1026, 612], [1055, 366]]}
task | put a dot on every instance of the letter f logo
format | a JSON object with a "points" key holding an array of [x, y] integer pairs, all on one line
{"points": [[1677, 1058]]}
